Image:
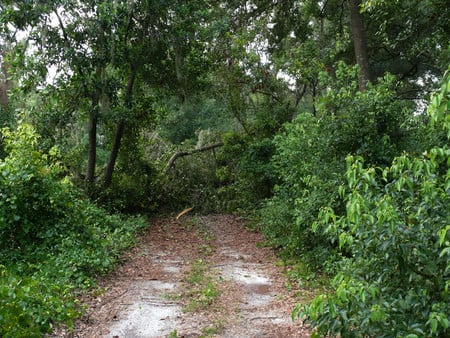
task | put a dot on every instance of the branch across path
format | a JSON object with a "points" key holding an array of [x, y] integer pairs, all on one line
{"points": [[196, 276], [179, 154]]}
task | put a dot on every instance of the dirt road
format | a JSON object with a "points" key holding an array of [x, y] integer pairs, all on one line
{"points": [[199, 276]]}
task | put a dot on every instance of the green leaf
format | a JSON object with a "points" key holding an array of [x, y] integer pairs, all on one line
{"points": [[377, 315], [443, 234]]}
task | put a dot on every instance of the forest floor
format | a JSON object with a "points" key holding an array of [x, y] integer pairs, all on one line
{"points": [[198, 276]]}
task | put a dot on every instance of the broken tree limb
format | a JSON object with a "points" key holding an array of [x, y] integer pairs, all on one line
{"points": [[190, 152], [185, 211]]}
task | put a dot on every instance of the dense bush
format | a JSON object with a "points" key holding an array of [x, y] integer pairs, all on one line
{"points": [[135, 190], [245, 171], [30, 305], [37, 201], [396, 228], [308, 171], [191, 183], [310, 159], [52, 241]]}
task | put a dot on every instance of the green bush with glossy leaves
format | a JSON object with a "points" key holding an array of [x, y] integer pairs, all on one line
{"points": [[31, 305], [245, 171], [396, 282]]}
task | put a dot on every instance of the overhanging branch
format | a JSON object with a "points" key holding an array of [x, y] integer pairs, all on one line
{"points": [[190, 152]]}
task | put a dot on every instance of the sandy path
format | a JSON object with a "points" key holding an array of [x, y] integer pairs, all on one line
{"points": [[194, 277]]}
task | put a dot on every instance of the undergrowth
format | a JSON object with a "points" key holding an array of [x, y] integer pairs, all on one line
{"points": [[54, 242]]}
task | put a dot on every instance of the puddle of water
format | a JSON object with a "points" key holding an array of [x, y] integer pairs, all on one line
{"points": [[258, 287]]}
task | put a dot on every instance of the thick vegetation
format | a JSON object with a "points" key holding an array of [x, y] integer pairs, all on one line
{"points": [[308, 114], [52, 241], [395, 229]]}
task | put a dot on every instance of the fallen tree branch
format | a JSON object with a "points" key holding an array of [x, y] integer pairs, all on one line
{"points": [[190, 152], [185, 211]]}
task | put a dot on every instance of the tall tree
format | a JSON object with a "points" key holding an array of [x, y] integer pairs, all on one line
{"points": [[100, 48], [359, 42], [5, 82]]}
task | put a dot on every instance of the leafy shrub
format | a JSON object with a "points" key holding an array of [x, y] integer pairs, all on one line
{"points": [[36, 200], [309, 160], [396, 227], [51, 239], [192, 182], [131, 191], [306, 167], [37, 288], [245, 171], [30, 306]]}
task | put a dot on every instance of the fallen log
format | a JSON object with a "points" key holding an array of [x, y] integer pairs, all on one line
{"points": [[179, 154]]}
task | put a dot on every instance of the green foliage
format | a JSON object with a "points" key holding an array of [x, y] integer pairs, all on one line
{"points": [[370, 123], [36, 199], [37, 288], [305, 164], [310, 159], [31, 305], [191, 183], [405, 26], [135, 188], [85, 258], [245, 171], [52, 241], [183, 122], [396, 228]]}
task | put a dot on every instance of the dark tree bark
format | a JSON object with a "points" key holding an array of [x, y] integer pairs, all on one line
{"points": [[114, 153], [359, 42], [120, 130], [93, 114], [92, 129], [5, 84], [179, 68]]}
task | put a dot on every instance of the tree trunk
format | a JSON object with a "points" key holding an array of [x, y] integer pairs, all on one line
{"points": [[92, 136], [114, 153], [359, 42], [179, 69], [3, 96], [119, 131], [92, 131], [5, 84]]}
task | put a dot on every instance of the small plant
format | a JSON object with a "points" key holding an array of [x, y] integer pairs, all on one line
{"points": [[173, 334], [202, 290], [214, 329], [205, 249]]}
